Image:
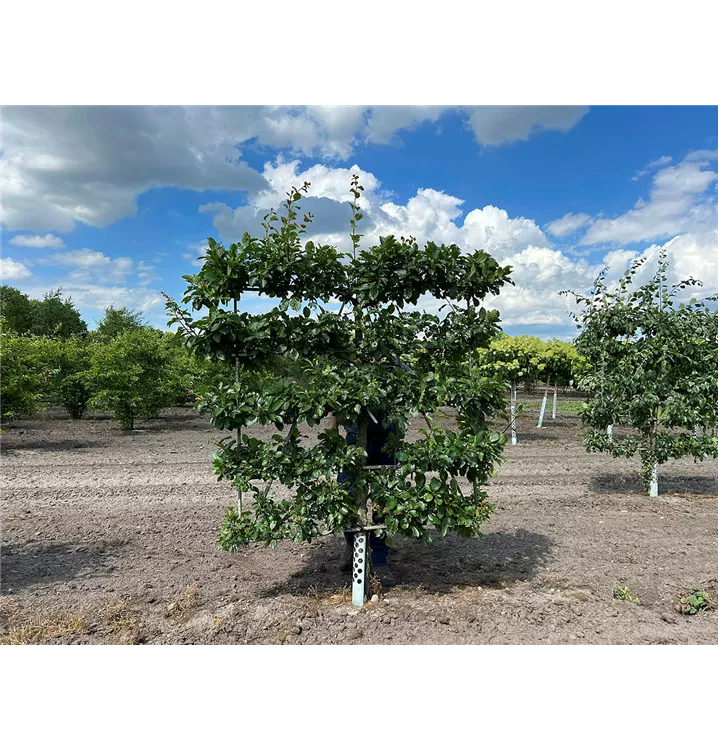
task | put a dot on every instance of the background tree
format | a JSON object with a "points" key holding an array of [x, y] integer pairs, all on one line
{"points": [[342, 320], [560, 365], [117, 320], [27, 374], [131, 375], [514, 359], [652, 366], [56, 317], [71, 386], [16, 310]]}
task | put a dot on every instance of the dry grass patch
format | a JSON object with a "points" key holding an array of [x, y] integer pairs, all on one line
{"points": [[122, 621], [317, 600], [190, 600], [41, 630]]}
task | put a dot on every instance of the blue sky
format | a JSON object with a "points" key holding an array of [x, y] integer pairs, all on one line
{"points": [[114, 204]]}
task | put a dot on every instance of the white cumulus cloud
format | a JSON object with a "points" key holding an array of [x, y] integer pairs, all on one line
{"points": [[682, 200], [92, 265], [428, 215], [662, 161], [100, 296], [568, 224], [36, 240], [11, 270], [689, 255]]}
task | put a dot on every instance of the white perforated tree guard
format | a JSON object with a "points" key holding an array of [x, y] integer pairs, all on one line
{"points": [[360, 569]]}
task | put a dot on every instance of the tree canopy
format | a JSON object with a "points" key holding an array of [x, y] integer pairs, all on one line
{"points": [[346, 320]]}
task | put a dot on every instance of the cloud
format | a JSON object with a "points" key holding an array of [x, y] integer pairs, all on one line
{"points": [[662, 161], [493, 126], [196, 250], [98, 296], [90, 265], [385, 122], [64, 165], [11, 270], [36, 240], [679, 203], [618, 260], [145, 274], [326, 182], [428, 215], [688, 255], [539, 274], [568, 224]]}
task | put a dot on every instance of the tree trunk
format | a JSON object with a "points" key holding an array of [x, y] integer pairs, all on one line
{"points": [[360, 557], [513, 414]]}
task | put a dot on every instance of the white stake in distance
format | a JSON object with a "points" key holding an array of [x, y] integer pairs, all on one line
{"points": [[653, 490], [543, 408]]}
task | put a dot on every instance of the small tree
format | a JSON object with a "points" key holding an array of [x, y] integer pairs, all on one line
{"points": [[56, 317], [342, 319], [26, 374], [16, 311], [117, 320], [130, 376], [560, 364], [514, 359], [71, 385], [652, 367]]}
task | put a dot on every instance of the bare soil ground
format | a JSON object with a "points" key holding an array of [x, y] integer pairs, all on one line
{"points": [[110, 537]]}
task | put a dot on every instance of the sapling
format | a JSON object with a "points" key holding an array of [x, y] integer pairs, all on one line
{"points": [[652, 368]]}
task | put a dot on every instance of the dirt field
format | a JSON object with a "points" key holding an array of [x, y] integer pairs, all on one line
{"points": [[109, 537]]}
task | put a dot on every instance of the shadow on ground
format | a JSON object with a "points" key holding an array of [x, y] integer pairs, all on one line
{"points": [[668, 484], [184, 422], [495, 559], [30, 564], [52, 445]]}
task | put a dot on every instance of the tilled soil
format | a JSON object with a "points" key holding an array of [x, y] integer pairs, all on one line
{"points": [[110, 537]]}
